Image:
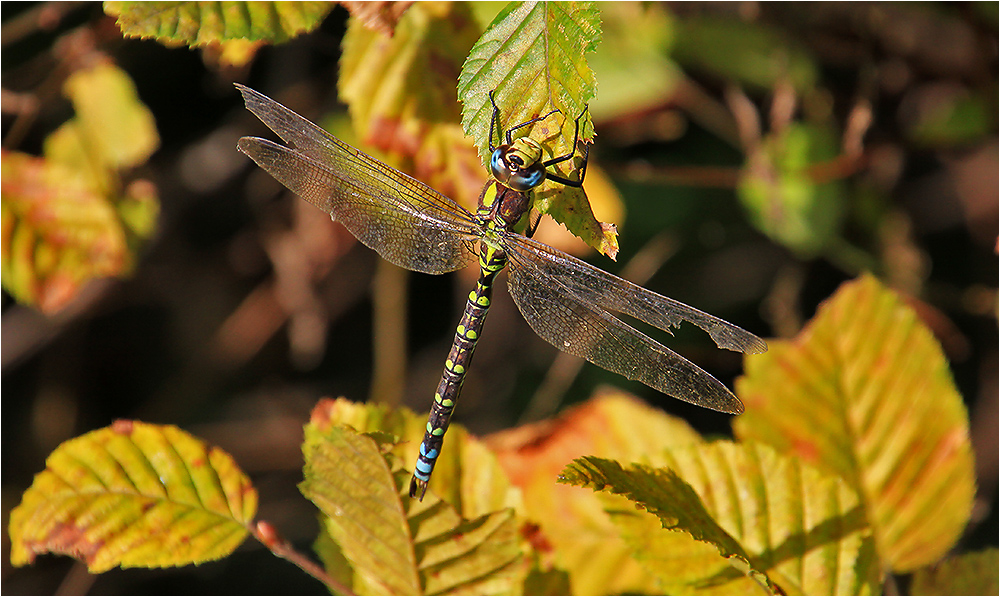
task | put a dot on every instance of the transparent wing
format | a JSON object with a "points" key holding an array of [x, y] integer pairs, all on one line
{"points": [[565, 301], [404, 220]]}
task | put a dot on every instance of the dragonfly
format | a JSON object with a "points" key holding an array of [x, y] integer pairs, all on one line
{"points": [[565, 300]]}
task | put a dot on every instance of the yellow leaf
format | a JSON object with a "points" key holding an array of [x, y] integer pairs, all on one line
{"points": [[117, 127], [865, 392]]}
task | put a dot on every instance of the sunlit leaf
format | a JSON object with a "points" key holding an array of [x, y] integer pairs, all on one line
{"points": [[585, 542], [119, 129], [663, 493], [134, 495], [865, 392], [200, 23], [804, 528], [966, 574], [783, 198], [395, 544], [467, 474], [532, 56], [401, 93], [58, 232]]}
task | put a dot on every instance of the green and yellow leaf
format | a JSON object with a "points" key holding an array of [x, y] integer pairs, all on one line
{"points": [[803, 527], [467, 475], [393, 543], [660, 491], [134, 495], [865, 393], [118, 129], [201, 23], [58, 232], [532, 56], [65, 218]]}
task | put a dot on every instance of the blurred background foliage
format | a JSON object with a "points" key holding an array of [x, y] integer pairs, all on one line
{"points": [[756, 156]]}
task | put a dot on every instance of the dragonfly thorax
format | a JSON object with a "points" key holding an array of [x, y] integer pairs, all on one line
{"points": [[501, 206], [518, 166]]}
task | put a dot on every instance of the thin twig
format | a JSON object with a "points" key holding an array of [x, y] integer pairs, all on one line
{"points": [[265, 532]]}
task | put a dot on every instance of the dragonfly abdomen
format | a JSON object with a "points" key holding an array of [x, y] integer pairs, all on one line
{"points": [[455, 367]]}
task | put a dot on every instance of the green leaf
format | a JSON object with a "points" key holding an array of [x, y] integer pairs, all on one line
{"points": [[749, 53], [202, 23], [533, 57], [783, 198], [131, 495], [58, 232], [966, 574], [663, 493], [585, 542], [395, 544], [864, 392], [400, 91]]}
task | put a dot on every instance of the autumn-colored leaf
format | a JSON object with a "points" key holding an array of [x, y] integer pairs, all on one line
{"points": [[467, 474], [58, 232], [804, 528], [400, 91], [201, 23], [134, 495], [865, 393], [584, 542], [393, 543]]}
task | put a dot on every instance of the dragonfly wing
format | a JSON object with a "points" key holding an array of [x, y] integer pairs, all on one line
{"points": [[373, 209], [389, 211], [585, 330], [593, 286]]}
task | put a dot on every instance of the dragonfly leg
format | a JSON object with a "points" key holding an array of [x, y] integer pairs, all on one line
{"points": [[583, 168]]}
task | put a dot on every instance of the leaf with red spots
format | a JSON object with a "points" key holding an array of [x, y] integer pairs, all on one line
{"points": [[864, 392], [400, 89], [134, 495], [68, 217]]}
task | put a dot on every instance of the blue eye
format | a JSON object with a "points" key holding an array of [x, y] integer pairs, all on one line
{"points": [[497, 165], [527, 179]]}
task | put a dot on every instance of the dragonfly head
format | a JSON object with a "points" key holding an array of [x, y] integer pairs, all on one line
{"points": [[518, 166]]}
